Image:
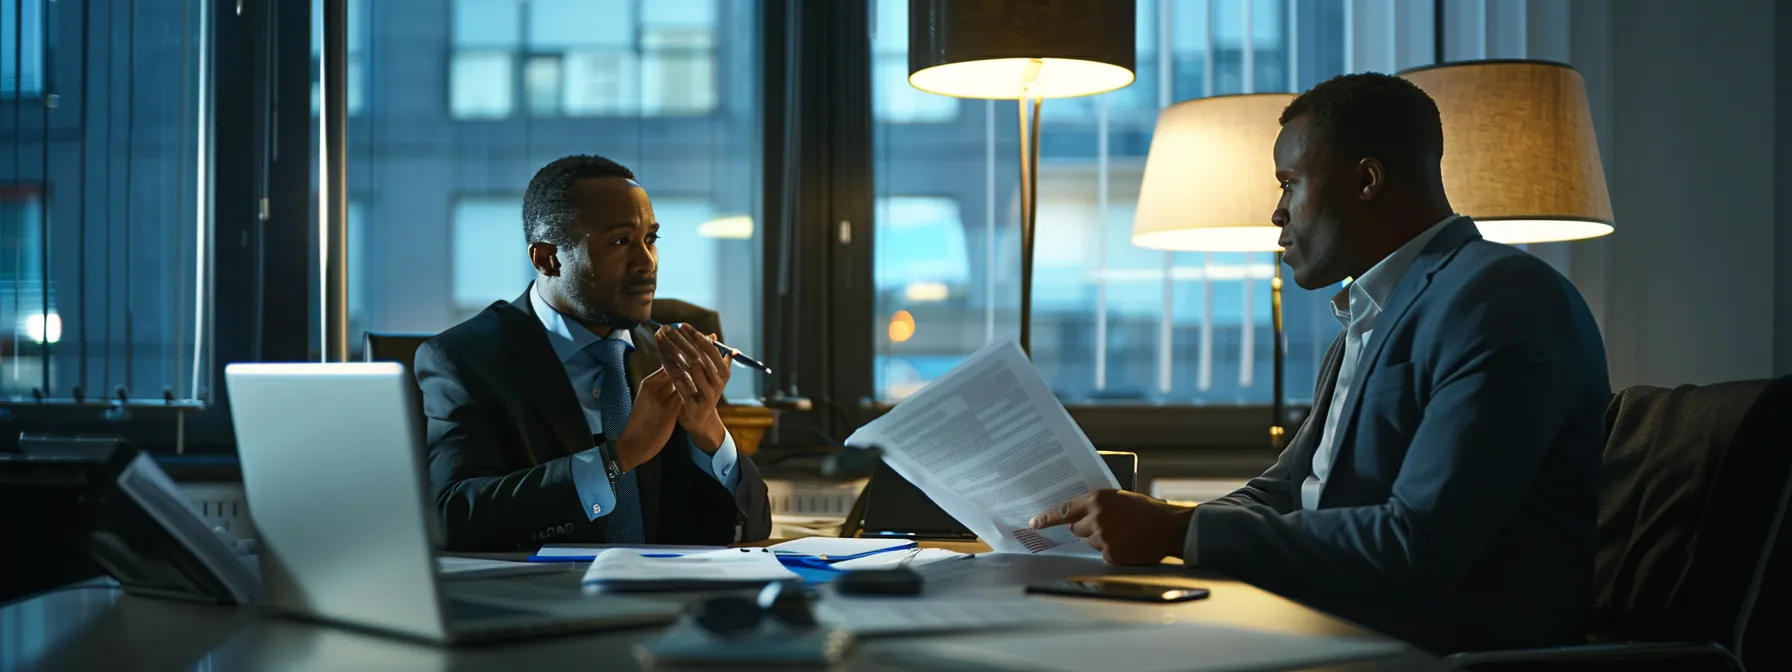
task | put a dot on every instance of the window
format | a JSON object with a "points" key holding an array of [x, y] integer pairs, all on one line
{"points": [[100, 217], [441, 220], [484, 229], [1111, 322], [585, 57], [21, 48], [357, 54], [895, 101]]}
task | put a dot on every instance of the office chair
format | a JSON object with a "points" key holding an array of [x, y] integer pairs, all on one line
{"points": [[891, 504], [1694, 491], [402, 347]]}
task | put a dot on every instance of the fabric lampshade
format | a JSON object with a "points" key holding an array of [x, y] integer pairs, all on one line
{"points": [[1021, 48], [1210, 178], [1520, 156]]}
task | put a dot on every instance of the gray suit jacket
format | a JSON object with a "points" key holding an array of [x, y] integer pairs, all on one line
{"points": [[1460, 511]]}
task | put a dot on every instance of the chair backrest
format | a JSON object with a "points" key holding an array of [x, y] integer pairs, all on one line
{"points": [[401, 348], [891, 504], [1694, 485]]}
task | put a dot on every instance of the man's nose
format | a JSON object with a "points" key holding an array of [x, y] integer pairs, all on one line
{"points": [[1279, 217]]}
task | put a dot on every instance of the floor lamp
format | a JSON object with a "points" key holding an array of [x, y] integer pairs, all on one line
{"points": [[1210, 186], [1520, 156], [1025, 50]]}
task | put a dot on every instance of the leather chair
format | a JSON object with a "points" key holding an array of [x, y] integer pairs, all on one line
{"points": [[891, 504], [402, 347], [1694, 492]]}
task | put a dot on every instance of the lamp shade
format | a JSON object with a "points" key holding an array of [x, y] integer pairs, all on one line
{"points": [[1210, 180], [1020, 48], [1520, 156]]}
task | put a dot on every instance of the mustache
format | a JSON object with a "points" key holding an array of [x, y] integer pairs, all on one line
{"points": [[649, 282]]}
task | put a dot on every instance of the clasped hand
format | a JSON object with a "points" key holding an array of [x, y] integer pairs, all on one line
{"points": [[682, 393]]}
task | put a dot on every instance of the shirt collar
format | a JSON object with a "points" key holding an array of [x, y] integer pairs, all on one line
{"points": [[1365, 296], [569, 338]]}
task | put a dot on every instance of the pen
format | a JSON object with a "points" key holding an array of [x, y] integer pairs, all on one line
{"points": [[740, 358]]}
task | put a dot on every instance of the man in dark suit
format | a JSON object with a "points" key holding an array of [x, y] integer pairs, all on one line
{"points": [[1443, 488], [558, 418]]}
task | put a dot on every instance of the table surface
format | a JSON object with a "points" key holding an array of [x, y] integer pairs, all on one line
{"points": [[95, 626]]}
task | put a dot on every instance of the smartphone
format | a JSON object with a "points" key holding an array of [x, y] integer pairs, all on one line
{"points": [[1132, 591]]}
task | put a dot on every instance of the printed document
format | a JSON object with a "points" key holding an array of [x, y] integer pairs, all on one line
{"points": [[991, 445]]}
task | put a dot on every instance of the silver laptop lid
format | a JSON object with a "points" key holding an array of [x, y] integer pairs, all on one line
{"points": [[333, 471]]}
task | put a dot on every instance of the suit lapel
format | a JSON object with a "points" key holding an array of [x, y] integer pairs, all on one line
{"points": [[1306, 439], [644, 360], [532, 359], [1436, 255]]}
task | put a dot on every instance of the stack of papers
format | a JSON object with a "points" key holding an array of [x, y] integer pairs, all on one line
{"points": [[588, 552], [835, 549], [621, 569]]}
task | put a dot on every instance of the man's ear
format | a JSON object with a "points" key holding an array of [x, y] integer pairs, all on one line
{"points": [[1372, 177], [545, 258]]}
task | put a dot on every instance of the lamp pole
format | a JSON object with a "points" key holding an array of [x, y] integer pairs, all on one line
{"points": [[1279, 349], [1029, 212]]}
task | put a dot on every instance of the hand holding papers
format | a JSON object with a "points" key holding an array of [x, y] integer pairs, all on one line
{"points": [[992, 446]]}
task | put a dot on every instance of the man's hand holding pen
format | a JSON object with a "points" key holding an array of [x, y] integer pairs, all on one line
{"points": [[700, 372]]}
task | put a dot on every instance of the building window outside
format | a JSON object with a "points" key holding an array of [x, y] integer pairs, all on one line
{"points": [[583, 58]]}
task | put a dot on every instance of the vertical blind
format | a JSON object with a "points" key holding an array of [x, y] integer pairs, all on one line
{"points": [[103, 213]]}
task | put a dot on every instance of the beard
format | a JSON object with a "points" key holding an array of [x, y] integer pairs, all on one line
{"points": [[596, 313]]}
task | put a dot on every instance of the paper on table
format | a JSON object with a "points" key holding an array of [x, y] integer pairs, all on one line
{"points": [[621, 566], [914, 557], [835, 546], [991, 445], [1157, 648]]}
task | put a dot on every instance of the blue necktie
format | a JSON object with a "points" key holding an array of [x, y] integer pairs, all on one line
{"points": [[613, 403]]}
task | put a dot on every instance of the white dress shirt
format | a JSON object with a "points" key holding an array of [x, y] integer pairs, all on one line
{"points": [[1357, 307]]}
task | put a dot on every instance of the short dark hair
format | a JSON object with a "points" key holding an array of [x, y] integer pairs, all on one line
{"points": [[1370, 114], [549, 214]]}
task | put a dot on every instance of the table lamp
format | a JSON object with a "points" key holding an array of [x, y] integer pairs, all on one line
{"points": [[1210, 185], [1027, 50], [1520, 156]]}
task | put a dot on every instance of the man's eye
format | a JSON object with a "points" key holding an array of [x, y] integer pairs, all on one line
{"points": [[653, 239], [620, 242], [1284, 184]]}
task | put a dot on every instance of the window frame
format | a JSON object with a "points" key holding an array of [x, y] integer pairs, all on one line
{"points": [[836, 250]]}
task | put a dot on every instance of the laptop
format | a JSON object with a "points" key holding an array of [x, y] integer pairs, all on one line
{"points": [[333, 469]]}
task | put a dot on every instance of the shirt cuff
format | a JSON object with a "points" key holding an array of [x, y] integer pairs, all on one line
{"points": [[596, 496], [1191, 547], [722, 465]]}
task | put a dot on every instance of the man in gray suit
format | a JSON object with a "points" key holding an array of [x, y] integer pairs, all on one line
{"points": [[1443, 488]]}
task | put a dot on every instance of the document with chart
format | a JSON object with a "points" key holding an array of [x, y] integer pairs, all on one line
{"points": [[992, 446]]}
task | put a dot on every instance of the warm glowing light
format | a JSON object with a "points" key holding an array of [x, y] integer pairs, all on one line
{"points": [[902, 326], [735, 227], [41, 328], [1021, 78], [1517, 231], [1247, 238], [927, 292]]}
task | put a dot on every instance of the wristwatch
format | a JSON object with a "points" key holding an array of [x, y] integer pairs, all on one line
{"points": [[607, 449]]}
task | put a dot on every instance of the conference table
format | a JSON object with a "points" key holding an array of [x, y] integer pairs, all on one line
{"points": [[92, 625]]}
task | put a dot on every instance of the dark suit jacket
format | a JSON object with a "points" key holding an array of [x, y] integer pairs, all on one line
{"points": [[503, 424], [1460, 511]]}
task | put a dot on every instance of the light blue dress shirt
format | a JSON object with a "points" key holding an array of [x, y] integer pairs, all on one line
{"points": [[569, 341]]}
